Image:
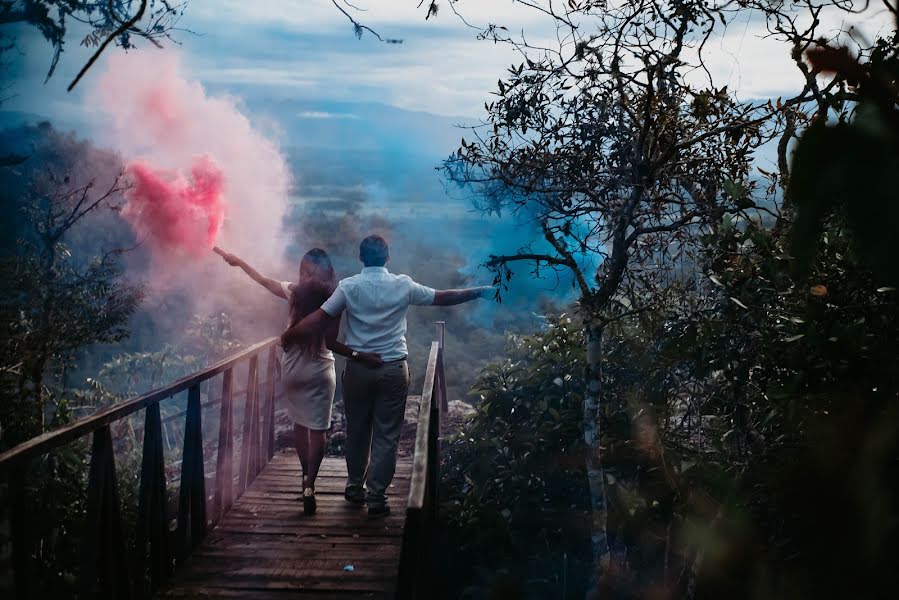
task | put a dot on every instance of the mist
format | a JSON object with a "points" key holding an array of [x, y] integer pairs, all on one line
{"points": [[291, 180]]}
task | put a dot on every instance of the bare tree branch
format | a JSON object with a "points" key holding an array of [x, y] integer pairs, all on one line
{"points": [[125, 26]]}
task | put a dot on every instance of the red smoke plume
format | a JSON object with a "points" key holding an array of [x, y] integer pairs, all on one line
{"points": [[176, 214]]}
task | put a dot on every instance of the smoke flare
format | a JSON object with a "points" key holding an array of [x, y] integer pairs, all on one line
{"points": [[174, 213]]}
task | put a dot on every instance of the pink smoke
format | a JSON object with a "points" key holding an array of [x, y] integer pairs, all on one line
{"points": [[174, 213], [150, 107]]}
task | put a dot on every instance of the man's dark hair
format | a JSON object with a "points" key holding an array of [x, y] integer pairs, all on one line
{"points": [[373, 251]]}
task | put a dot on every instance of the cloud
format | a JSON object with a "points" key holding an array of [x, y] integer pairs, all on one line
{"points": [[313, 114]]}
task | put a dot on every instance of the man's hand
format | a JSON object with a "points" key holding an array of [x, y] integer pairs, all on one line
{"points": [[451, 297], [486, 291], [370, 359]]}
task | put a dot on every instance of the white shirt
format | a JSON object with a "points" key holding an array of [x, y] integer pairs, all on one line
{"points": [[376, 302]]}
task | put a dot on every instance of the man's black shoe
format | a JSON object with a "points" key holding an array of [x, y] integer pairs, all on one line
{"points": [[354, 494], [377, 511]]}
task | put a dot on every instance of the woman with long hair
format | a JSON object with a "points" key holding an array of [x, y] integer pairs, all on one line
{"points": [[307, 364]]}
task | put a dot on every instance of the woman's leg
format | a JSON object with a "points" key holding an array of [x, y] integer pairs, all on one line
{"points": [[301, 441], [307, 441], [318, 439]]}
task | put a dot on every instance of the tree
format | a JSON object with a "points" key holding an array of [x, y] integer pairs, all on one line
{"points": [[608, 146], [54, 301], [109, 20], [606, 143]]}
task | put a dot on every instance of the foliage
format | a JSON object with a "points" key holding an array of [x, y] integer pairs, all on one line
{"points": [[206, 339], [54, 301], [606, 140], [52, 17], [513, 497], [610, 144], [765, 405], [855, 156], [756, 410]]}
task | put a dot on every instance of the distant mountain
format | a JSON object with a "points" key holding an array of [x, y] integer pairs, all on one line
{"points": [[17, 118], [363, 126]]}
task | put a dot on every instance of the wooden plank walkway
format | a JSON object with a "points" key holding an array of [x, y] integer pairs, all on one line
{"points": [[265, 547]]}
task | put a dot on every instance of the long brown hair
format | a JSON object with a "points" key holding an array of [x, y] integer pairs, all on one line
{"points": [[317, 282]]}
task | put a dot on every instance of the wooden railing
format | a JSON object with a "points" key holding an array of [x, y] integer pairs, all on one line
{"points": [[415, 579], [108, 568]]}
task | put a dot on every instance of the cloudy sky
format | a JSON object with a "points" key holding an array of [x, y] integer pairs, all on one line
{"points": [[305, 49]]}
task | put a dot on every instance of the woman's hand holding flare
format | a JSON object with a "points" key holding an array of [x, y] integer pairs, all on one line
{"points": [[231, 259]]}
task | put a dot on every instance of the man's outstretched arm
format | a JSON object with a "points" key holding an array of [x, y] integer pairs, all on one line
{"points": [[451, 297]]}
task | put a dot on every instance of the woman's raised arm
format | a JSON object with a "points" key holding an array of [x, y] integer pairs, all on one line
{"points": [[268, 283]]}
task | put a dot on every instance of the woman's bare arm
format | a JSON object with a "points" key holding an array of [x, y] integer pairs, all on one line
{"points": [[268, 283]]}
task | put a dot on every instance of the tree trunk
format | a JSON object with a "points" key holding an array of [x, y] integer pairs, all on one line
{"points": [[592, 434]]}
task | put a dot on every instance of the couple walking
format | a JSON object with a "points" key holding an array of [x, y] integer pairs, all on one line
{"points": [[376, 377]]}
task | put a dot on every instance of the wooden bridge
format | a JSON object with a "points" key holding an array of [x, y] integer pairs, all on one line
{"points": [[239, 529]]}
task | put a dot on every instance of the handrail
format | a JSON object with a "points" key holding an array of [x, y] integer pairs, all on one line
{"points": [[418, 480], [45, 442], [416, 555], [107, 566]]}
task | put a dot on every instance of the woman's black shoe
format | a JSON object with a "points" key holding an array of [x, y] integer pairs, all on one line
{"points": [[309, 501]]}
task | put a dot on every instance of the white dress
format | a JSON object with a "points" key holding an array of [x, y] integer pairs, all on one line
{"points": [[308, 382]]}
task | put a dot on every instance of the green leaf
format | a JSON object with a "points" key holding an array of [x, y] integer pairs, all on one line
{"points": [[738, 303]]}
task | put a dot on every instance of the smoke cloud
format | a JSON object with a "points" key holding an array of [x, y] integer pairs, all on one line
{"points": [[175, 214], [151, 110], [201, 174]]}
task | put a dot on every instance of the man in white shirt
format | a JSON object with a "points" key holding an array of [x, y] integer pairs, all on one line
{"points": [[374, 397]]}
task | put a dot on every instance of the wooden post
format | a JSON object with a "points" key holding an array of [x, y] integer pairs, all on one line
{"points": [[192, 495], [414, 574], [224, 478], [268, 438], [247, 446], [104, 571], [440, 408], [443, 402], [256, 439], [152, 522], [433, 460], [21, 549]]}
